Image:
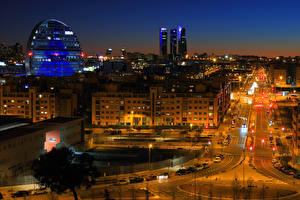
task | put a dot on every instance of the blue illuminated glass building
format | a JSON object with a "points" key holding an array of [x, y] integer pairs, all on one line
{"points": [[53, 50]]}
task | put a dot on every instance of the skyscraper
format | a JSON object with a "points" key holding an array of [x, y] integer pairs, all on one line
{"points": [[182, 50], [173, 43], [163, 40], [108, 52]]}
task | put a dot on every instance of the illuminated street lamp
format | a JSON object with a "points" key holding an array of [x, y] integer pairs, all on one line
{"points": [[132, 117], [149, 151]]}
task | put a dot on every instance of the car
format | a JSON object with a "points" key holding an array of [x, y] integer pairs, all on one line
{"points": [[217, 159], [221, 156], [151, 178], [163, 176], [190, 170], [297, 176], [39, 192], [291, 173], [136, 179], [181, 172], [183, 132], [1, 196], [122, 182], [21, 193], [288, 137], [197, 165]]}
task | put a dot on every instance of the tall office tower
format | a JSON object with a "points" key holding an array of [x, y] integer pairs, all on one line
{"points": [[173, 43], [182, 50], [53, 49], [108, 52], [123, 52], [163, 40]]}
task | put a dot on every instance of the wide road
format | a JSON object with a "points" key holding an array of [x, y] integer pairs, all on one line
{"points": [[263, 151]]}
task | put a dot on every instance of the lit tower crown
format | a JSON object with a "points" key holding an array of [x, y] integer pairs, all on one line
{"points": [[163, 39], [182, 50], [173, 43]]}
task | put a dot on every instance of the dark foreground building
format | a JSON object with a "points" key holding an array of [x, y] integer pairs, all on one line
{"points": [[22, 141]]}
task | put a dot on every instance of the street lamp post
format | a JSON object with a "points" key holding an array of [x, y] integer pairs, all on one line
{"points": [[149, 156], [132, 118]]}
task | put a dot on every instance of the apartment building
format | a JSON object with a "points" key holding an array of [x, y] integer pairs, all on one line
{"points": [[36, 105], [161, 106]]}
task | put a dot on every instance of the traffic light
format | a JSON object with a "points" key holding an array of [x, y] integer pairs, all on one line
{"points": [[263, 140], [273, 148]]}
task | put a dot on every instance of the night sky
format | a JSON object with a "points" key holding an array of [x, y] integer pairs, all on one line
{"points": [[265, 27]]}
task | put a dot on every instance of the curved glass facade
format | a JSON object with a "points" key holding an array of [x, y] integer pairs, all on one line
{"points": [[53, 50]]}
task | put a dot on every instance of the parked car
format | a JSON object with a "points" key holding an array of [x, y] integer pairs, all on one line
{"points": [[183, 132], [1, 196], [197, 165], [288, 137], [136, 179], [163, 176], [190, 170], [221, 156], [205, 164], [181, 172], [151, 178], [297, 176], [20, 193], [122, 182], [39, 192]]}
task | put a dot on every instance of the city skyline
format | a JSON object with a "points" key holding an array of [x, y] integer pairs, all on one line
{"points": [[231, 27]]}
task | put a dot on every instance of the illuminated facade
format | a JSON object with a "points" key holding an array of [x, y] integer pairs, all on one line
{"points": [[53, 50], [158, 107], [163, 42]]}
